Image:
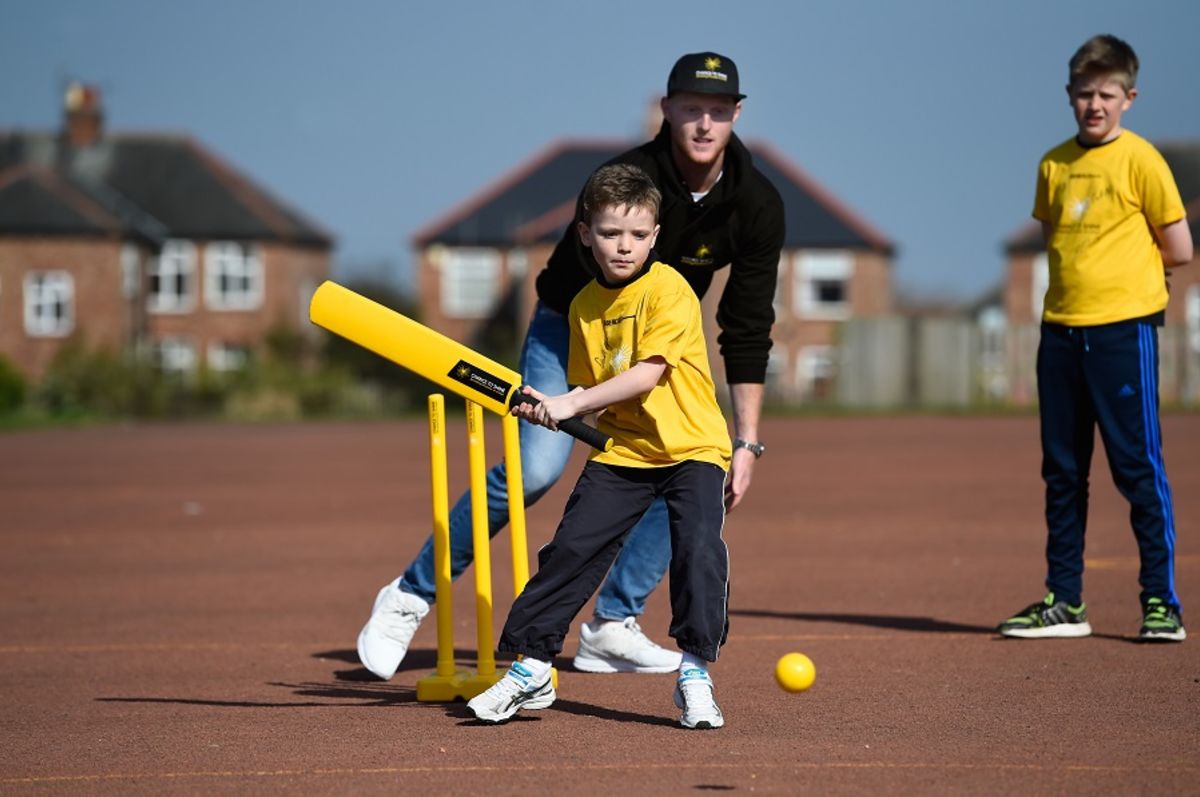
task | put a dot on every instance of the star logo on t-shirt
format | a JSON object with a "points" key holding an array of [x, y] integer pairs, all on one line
{"points": [[1078, 208], [619, 360]]}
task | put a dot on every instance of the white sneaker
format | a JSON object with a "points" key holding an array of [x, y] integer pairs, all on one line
{"points": [[514, 691], [694, 694], [622, 647], [384, 640]]}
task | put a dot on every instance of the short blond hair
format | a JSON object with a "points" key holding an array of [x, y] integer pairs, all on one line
{"points": [[617, 185], [1105, 55]]}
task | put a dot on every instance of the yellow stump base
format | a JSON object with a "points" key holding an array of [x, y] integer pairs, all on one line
{"points": [[462, 685]]}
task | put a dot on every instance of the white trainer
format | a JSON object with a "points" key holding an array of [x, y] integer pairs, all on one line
{"points": [[515, 691], [622, 647], [384, 640], [694, 694]]}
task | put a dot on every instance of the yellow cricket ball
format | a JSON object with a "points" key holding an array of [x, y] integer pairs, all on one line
{"points": [[794, 672]]}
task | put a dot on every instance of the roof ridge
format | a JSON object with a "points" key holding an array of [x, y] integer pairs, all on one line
{"points": [[504, 182], [848, 216], [243, 190], [66, 191]]}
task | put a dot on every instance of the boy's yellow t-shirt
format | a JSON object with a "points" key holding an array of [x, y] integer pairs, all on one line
{"points": [[613, 329], [1101, 202]]}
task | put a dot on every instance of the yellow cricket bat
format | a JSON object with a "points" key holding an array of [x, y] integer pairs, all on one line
{"points": [[430, 354]]}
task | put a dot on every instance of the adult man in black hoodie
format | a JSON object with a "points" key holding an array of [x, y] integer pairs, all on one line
{"points": [[718, 210]]}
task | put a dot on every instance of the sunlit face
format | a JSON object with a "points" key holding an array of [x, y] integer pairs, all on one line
{"points": [[701, 124], [621, 238], [1098, 102]]}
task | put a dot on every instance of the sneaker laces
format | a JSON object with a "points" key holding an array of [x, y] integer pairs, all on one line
{"points": [[632, 624], [401, 621]]}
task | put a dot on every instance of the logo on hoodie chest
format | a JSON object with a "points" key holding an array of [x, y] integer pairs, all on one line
{"points": [[702, 257]]}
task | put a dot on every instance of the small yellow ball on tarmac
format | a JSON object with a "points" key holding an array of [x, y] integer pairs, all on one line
{"points": [[794, 672]]}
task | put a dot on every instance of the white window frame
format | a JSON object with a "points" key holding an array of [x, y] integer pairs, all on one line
{"points": [[224, 357], [470, 284], [235, 264], [176, 355], [176, 262], [822, 266], [43, 290]]}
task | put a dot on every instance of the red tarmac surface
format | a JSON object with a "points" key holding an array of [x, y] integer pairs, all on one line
{"points": [[179, 607]]}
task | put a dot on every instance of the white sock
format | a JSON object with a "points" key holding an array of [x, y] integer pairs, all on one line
{"points": [[690, 661], [537, 667]]}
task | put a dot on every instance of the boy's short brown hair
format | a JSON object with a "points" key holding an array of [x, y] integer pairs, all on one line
{"points": [[1105, 54], [620, 184]]}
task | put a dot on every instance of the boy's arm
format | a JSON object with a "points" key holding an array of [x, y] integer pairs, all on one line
{"points": [[1047, 231], [634, 382], [1175, 242]]}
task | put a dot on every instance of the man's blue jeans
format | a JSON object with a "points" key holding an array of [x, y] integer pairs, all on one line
{"points": [[544, 454]]}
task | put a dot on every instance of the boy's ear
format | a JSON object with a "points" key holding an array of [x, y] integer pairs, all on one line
{"points": [[585, 233], [1129, 98], [654, 235]]}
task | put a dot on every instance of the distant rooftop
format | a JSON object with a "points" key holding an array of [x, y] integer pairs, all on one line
{"points": [[536, 201]]}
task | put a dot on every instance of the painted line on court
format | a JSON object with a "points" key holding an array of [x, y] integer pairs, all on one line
{"points": [[1133, 562], [621, 767]]}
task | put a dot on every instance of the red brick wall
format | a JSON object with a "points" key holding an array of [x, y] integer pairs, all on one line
{"points": [[103, 318]]}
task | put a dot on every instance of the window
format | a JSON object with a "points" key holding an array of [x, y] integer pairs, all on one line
{"points": [[130, 278], [1191, 315], [1041, 281], [227, 356], [175, 355], [822, 285], [233, 276], [783, 308], [470, 282], [172, 277], [815, 372], [49, 304]]}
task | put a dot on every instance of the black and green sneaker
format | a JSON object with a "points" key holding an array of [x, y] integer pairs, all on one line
{"points": [[1050, 618], [1161, 622]]}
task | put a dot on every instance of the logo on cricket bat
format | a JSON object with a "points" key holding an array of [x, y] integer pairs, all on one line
{"points": [[479, 380]]}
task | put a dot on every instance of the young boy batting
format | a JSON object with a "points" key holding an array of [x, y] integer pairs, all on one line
{"points": [[1113, 220], [637, 352]]}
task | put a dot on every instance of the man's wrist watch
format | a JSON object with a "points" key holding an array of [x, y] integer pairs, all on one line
{"points": [[755, 448]]}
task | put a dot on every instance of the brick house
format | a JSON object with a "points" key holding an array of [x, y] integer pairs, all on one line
{"points": [[485, 254], [1027, 276], [144, 243]]}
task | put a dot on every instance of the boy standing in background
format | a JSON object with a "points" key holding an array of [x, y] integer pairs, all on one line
{"points": [[1112, 219]]}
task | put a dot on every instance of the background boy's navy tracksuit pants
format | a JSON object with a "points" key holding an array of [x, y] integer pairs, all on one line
{"points": [[1107, 376]]}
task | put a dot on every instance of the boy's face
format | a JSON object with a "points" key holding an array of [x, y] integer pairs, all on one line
{"points": [[1098, 102], [701, 124], [621, 238]]}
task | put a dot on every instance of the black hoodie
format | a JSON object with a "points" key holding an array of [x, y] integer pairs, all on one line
{"points": [[739, 224]]}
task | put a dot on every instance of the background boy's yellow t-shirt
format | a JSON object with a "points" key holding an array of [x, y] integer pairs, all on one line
{"points": [[1105, 265], [613, 329]]}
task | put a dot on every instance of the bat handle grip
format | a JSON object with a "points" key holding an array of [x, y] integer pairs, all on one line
{"points": [[572, 426]]}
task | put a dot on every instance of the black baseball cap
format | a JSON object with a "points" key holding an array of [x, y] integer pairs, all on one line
{"points": [[705, 73]]}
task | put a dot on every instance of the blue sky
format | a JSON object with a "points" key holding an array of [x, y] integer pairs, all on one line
{"points": [[927, 117]]}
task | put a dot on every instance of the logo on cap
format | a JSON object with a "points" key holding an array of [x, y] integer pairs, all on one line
{"points": [[711, 70]]}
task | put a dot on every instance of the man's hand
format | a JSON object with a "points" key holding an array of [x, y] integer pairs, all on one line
{"points": [[741, 471]]}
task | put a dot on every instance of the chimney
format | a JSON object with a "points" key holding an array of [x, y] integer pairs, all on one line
{"points": [[83, 120]]}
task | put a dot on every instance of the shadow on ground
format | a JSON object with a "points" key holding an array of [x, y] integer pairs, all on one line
{"points": [[895, 622]]}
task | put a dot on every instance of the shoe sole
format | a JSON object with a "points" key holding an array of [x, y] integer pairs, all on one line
{"points": [[533, 705], [1163, 636], [1059, 631]]}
